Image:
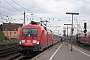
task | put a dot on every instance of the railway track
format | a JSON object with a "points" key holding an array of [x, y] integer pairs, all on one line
{"points": [[10, 52], [15, 56], [84, 46], [6, 50], [5, 46]]}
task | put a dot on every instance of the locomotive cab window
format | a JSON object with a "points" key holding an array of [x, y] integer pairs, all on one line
{"points": [[32, 32]]}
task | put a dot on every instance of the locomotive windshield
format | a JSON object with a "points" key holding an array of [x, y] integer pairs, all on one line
{"points": [[32, 32]]}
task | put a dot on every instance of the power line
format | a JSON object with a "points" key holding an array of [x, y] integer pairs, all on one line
{"points": [[25, 8], [37, 6], [2, 17], [2, 14], [13, 7], [22, 2], [6, 12], [30, 11], [21, 6], [7, 9]]}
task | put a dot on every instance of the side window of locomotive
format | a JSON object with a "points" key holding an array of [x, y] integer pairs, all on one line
{"points": [[43, 32]]}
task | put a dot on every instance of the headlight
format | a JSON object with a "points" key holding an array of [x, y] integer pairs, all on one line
{"points": [[21, 41], [36, 41]]}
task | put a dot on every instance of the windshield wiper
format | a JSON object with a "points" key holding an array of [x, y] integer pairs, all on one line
{"points": [[27, 34], [32, 35]]}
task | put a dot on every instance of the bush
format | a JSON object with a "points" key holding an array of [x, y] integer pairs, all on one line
{"points": [[2, 36], [6, 40]]}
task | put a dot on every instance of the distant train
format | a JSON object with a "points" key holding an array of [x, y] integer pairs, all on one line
{"points": [[84, 39], [36, 38]]}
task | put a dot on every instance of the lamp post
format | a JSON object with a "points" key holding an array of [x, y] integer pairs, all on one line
{"points": [[72, 25], [77, 32], [67, 32], [7, 32], [7, 19], [32, 16], [64, 33], [24, 19]]}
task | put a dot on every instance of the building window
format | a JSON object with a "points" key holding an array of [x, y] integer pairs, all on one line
{"points": [[5, 32], [14, 32]]}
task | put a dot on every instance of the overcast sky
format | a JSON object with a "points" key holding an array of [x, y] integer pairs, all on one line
{"points": [[52, 10]]}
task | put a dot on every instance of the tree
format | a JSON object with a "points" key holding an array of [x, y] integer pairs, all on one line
{"points": [[2, 36], [1, 27]]}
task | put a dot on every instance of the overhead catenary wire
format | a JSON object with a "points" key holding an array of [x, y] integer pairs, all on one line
{"points": [[25, 9], [37, 6], [5, 12], [36, 15], [6, 8], [13, 7], [21, 6], [22, 2], [2, 17], [2, 14]]}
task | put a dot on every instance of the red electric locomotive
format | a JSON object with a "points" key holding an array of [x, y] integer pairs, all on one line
{"points": [[34, 37]]}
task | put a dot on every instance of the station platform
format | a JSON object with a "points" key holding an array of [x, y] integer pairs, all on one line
{"points": [[61, 51]]}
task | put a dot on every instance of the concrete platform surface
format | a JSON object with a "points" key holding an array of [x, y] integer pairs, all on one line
{"points": [[63, 52]]}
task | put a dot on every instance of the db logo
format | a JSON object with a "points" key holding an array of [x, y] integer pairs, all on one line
{"points": [[28, 41]]}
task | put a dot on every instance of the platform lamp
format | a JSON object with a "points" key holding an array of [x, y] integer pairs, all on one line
{"points": [[72, 25], [67, 32]]}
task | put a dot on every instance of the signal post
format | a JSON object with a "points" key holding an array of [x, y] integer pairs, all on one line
{"points": [[85, 26]]}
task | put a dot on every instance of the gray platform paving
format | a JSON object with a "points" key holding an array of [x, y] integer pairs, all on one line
{"points": [[63, 52]]}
